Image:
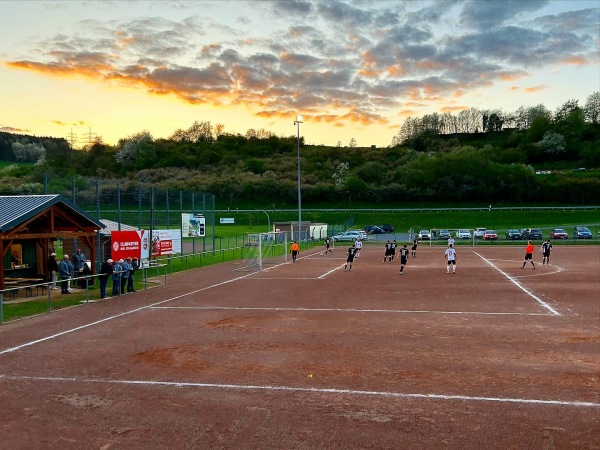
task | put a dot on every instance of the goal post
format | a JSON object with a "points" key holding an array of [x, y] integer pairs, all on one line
{"points": [[264, 249]]}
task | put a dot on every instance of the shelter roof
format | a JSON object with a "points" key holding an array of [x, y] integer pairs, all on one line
{"points": [[18, 209], [111, 225]]}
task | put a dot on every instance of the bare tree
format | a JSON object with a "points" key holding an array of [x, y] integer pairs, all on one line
{"points": [[592, 108]]}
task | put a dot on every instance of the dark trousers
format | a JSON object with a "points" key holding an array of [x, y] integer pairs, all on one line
{"points": [[130, 282], [103, 282], [116, 287], [64, 286]]}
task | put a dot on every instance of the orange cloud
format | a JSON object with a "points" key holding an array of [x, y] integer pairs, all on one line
{"points": [[575, 60], [512, 76], [453, 108], [408, 113], [396, 71], [89, 71], [532, 89]]}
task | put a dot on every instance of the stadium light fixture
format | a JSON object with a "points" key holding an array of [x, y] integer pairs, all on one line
{"points": [[297, 122]]}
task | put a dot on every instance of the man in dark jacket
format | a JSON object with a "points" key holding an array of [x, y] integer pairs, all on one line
{"points": [[53, 270], [105, 271]]}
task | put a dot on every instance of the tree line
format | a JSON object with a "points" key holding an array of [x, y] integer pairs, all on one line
{"points": [[475, 156]]}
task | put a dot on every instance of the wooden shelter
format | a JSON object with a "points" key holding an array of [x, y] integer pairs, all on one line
{"points": [[29, 226]]}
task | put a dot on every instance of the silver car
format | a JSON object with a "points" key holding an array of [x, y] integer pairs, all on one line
{"points": [[463, 234]]}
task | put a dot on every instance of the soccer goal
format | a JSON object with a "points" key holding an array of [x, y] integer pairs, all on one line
{"points": [[263, 250]]}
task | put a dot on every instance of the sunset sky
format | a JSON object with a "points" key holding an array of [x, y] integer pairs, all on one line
{"points": [[353, 69]]}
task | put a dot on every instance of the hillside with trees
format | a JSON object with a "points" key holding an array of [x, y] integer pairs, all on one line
{"points": [[532, 155]]}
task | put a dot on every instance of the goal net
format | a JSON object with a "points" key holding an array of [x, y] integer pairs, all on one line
{"points": [[263, 250]]}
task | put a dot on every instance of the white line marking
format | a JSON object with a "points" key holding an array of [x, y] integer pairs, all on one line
{"points": [[331, 271], [537, 274], [106, 319], [177, 384], [400, 311], [516, 283]]}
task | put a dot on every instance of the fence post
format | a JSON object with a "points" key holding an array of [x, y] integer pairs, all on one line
{"points": [[1, 309], [49, 301]]}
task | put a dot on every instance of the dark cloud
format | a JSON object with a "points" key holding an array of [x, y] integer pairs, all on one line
{"points": [[343, 14], [483, 15], [16, 130], [358, 57]]}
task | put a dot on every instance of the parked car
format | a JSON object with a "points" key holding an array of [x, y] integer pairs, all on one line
{"points": [[373, 229], [444, 234], [479, 232], [387, 228], [513, 235], [424, 235], [582, 233], [559, 233], [490, 235], [463, 234], [351, 236], [531, 234]]}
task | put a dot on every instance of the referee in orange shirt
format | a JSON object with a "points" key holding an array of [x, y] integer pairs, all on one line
{"points": [[294, 250], [528, 255]]}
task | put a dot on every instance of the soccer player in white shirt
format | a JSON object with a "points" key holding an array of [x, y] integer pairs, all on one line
{"points": [[450, 255], [358, 246]]}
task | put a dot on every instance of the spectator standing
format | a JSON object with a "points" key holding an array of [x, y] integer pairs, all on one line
{"points": [[546, 249], [116, 277], [53, 270], [450, 255], [130, 281], [403, 258], [79, 261], [528, 255], [64, 268], [126, 264], [294, 250], [105, 271]]}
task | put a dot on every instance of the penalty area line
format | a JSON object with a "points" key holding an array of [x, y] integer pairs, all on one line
{"points": [[349, 392], [520, 286], [351, 310]]}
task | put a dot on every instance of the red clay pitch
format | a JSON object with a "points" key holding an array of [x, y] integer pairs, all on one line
{"points": [[310, 356]]}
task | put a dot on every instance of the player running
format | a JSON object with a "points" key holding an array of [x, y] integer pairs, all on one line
{"points": [[403, 258], [327, 244], [350, 259]]}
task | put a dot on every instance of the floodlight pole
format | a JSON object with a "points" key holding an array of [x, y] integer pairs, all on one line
{"points": [[297, 122], [268, 219]]}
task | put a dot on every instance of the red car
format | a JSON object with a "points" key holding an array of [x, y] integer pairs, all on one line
{"points": [[490, 235], [559, 233]]}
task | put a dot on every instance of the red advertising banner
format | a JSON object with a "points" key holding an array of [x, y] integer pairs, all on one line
{"points": [[166, 242], [125, 244]]}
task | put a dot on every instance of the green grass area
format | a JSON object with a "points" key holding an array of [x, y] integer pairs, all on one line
{"points": [[498, 219], [154, 277]]}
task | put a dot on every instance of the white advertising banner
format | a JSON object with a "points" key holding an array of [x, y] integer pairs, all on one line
{"points": [[193, 225], [166, 242]]}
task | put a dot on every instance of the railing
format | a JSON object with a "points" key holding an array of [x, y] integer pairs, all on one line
{"points": [[150, 276]]}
